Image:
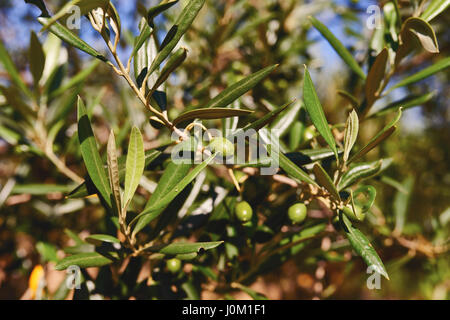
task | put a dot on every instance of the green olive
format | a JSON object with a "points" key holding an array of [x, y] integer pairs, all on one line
{"points": [[358, 215], [243, 211], [222, 145], [309, 133], [173, 265], [297, 212]]}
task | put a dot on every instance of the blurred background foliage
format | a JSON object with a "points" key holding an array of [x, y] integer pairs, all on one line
{"points": [[230, 39]]}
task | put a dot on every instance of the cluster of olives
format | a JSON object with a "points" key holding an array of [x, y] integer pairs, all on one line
{"points": [[296, 212]]}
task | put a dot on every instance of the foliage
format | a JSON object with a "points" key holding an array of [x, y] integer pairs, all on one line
{"points": [[224, 226]]}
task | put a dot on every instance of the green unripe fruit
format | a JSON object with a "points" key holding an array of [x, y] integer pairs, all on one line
{"points": [[173, 265], [243, 211], [358, 215], [295, 135], [297, 212], [222, 145], [309, 133]]}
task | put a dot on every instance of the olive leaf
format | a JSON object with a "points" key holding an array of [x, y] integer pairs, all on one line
{"points": [[401, 202], [404, 103], [351, 133], [98, 239], [349, 97], [182, 23], [184, 247], [145, 33], [369, 193], [293, 170], [211, 113], [158, 9], [261, 122], [358, 172], [86, 260], [113, 172], [338, 47], [174, 61], [37, 58], [154, 210], [75, 80], [236, 90], [375, 77], [66, 35], [378, 138], [85, 6], [316, 113], [416, 32], [363, 247], [434, 8], [422, 74], [90, 154], [11, 69], [324, 180], [84, 189], [134, 167]]}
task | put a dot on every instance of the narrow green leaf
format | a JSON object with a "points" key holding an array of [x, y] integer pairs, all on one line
{"points": [[158, 9], [184, 247], [364, 248], [351, 133], [424, 73], [378, 138], [174, 61], [324, 180], [85, 6], [134, 166], [145, 33], [97, 239], [113, 172], [154, 210], [283, 122], [405, 103], [261, 122], [36, 57], [236, 90], [182, 24], [369, 193], [358, 172], [47, 251], [435, 8], [338, 47], [211, 113], [84, 260], [349, 97], [84, 190], [76, 79], [375, 76], [316, 113], [10, 68], [40, 189], [114, 19], [91, 157], [293, 170], [401, 202], [66, 35]]}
